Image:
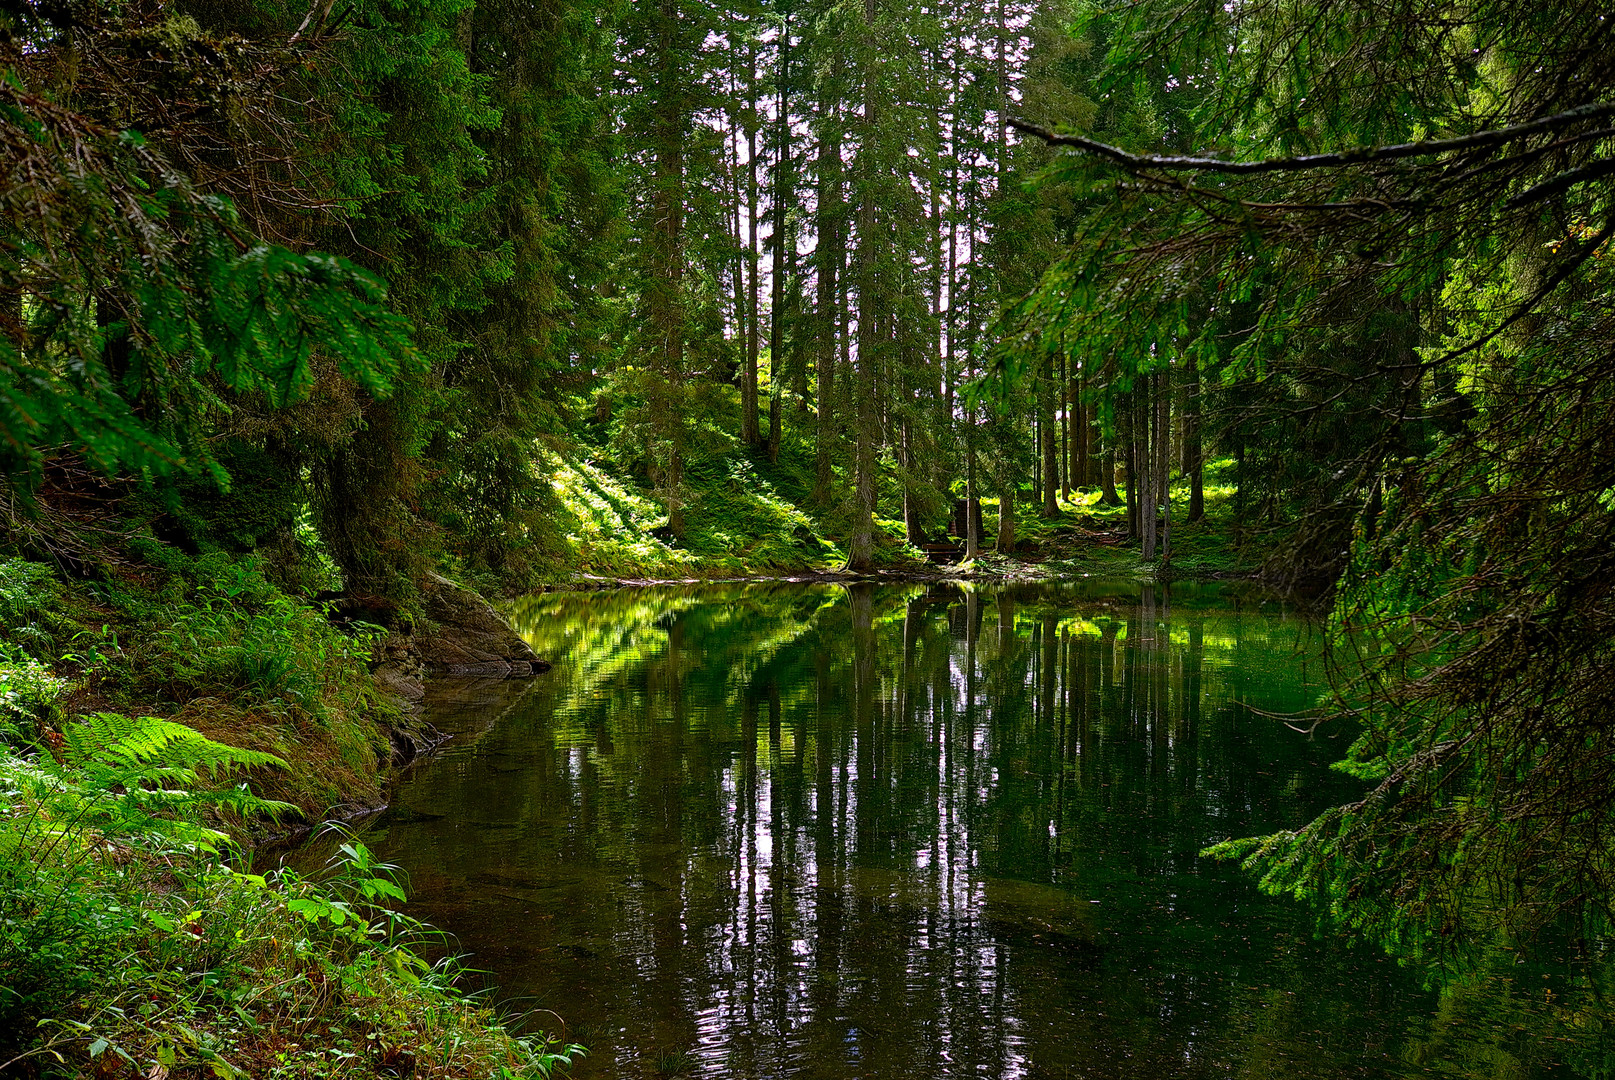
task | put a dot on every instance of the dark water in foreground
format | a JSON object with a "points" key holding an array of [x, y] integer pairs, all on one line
{"points": [[802, 831]]}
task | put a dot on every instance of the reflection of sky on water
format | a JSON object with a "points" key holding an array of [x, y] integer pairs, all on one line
{"points": [[754, 832]]}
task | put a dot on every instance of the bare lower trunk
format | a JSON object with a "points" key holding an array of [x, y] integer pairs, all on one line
{"points": [[972, 500], [1051, 461], [1193, 454], [1006, 517], [1147, 485], [1107, 478], [1163, 457], [749, 433], [913, 528], [1065, 429]]}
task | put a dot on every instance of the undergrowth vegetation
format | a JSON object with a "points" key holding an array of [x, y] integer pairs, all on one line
{"points": [[130, 946], [208, 640], [743, 514], [747, 515], [149, 711]]}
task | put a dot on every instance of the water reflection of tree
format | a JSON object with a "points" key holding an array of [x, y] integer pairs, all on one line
{"points": [[857, 832]]}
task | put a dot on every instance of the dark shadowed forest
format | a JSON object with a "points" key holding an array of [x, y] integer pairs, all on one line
{"points": [[321, 321]]}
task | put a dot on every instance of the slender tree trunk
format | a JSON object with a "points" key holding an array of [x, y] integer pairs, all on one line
{"points": [[784, 244], [666, 299], [832, 257], [861, 546], [1131, 451], [942, 462], [1107, 475], [972, 498], [1193, 453], [1166, 529], [1081, 466], [749, 433], [913, 527], [978, 532], [1051, 461], [1065, 427], [1239, 480], [1037, 447], [1163, 441], [950, 325], [1146, 445], [1006, 512], [737, 296]]}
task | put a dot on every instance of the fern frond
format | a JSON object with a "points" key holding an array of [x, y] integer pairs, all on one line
{"points": [[138, 775], [160, 750]]}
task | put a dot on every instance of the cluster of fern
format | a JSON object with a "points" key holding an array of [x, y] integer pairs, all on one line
{"points": [[131, 944], [208, 640]]}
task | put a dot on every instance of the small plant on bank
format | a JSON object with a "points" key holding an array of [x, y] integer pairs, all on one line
{"points": [[129, 946]]}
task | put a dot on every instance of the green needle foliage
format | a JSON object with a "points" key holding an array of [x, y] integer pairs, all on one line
{"points": [[1390, 247], [136, 305]]}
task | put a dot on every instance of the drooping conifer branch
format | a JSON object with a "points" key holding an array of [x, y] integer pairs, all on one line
{"points": [[1358, 156]]}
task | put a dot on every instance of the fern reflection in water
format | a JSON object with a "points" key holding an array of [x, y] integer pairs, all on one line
{"points": [[802, 831]]}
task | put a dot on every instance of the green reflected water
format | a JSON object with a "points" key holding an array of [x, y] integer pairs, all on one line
{"points": [[809, 831]]}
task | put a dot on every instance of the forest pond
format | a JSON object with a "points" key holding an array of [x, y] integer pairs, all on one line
{"points": [[781, 830]]}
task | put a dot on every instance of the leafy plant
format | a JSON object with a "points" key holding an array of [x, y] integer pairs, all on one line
{"points": [[120, 781], [28, 693]]}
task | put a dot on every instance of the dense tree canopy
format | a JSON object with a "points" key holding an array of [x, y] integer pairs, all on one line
{"points": [[835, 272]]}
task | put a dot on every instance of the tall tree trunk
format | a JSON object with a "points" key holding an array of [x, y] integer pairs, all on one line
{"points": [[1239, 480], [1037, 447], [749, 433], [1065, 427], [737, 232], [1163, 446], [1051, 461], [1006, 511], [1146, 446], [666, 300], [832, 257], [1082, 468], [972, 500], [1130, 449], [783, 244], [1193, 452], [1093, 440], [913, 527], [942, 462], [861, 545], [1107, 474]]}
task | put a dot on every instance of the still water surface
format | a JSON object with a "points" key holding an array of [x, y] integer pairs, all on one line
{"points": [[809, 831]]}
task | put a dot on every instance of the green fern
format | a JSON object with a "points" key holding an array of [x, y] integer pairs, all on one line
{"points": [[142, 773], [131, 776], [148, 742]]}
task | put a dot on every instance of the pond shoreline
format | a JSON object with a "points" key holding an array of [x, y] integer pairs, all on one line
{"points": [[993, 570]]}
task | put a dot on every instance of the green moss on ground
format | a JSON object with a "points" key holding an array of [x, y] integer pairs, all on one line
{"points": [[747, 516]]}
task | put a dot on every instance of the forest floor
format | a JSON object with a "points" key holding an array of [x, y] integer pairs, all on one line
{"points": [[749, 515], [1085, 540], [751, 519]]}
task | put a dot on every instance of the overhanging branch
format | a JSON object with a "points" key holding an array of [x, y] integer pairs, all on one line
{"points": [[1305, 162]]}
